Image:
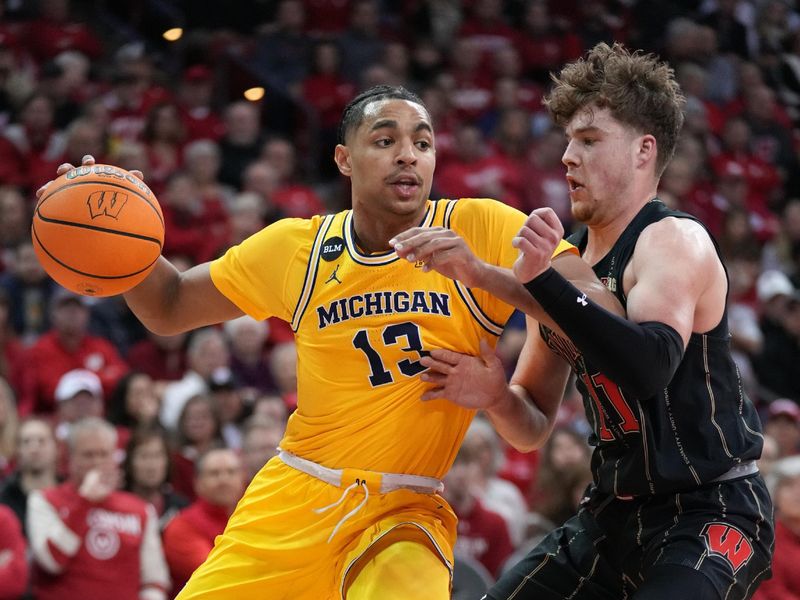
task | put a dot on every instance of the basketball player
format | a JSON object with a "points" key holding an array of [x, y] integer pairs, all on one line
{"points": [[677, 508], [351, 506]]}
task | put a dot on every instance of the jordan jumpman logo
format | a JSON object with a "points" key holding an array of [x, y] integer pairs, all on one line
{"points": [[333, 276]]}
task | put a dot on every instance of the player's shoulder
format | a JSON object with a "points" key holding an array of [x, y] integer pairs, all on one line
{"points": [[480, 211], [677, 232]]}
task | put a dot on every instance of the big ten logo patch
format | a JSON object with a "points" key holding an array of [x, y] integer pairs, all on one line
{"points": [[106, 203], [729, 543]]}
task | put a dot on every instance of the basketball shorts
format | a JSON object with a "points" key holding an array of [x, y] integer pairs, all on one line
{"points": [[723, 531], [293, 536]]}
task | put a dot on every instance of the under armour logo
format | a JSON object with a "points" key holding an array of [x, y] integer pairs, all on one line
{"points": [[333, 276], [582, 300]]}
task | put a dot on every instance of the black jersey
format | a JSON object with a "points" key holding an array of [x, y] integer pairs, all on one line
{"points": [[694, 430]]}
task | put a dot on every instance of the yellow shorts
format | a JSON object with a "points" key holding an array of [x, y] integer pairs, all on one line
{"points": [[275, 546]]}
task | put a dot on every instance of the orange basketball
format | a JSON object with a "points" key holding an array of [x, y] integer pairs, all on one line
{"points": [[98, 230]]}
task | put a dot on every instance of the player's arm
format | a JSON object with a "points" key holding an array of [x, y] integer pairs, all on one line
{"points": [[523, 412], [445, 251], [169, 302], [673, 266]]}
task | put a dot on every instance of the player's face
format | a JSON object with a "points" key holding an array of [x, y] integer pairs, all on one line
{"points": [[390, 159], [600, 159]]}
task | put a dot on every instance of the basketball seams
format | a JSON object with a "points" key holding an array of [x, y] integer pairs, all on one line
{"points": [[66, 186], [100, 229], [93, 275]]}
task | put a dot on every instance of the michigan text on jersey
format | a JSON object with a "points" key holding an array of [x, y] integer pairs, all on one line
{"points": [[383, 303]]}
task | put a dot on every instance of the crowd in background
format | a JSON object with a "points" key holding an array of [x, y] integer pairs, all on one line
{"points": [[190, 419]]}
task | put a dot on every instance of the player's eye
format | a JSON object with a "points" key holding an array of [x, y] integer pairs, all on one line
{"points": [[384, 142], [424, 144]]}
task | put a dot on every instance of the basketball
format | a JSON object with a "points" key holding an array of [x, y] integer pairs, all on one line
{"points": [[98, 230]]}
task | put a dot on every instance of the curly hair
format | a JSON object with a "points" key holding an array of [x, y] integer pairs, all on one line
{"points": [[639, 89]]}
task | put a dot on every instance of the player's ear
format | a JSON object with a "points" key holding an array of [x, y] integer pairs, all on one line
{"points": [[647, 149], [342, 158]]}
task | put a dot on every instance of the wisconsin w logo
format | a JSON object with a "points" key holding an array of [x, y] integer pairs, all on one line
{"points": [[106, 203], [728, 542]]}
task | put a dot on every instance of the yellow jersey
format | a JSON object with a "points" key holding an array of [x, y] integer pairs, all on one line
{"points": [[362, 322]]}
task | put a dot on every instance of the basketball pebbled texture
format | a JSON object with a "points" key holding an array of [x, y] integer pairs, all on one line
{"points": [[98, 230]]}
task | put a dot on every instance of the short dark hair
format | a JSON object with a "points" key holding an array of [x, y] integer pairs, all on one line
{"points": [[353, 114], [638, 89]]}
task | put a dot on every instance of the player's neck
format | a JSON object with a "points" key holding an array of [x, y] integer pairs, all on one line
{"points": [[605, 232], [373, 234]]}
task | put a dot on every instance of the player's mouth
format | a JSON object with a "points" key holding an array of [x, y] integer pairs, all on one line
{"points": [[406, 185], [574, 184]]}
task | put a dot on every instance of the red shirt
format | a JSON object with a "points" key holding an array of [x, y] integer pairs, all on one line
{"points": [[47, 360], [189, 538], [483, 535], [118, 552], [785, 582], [297, 200], [476, 180], [14, 572]]}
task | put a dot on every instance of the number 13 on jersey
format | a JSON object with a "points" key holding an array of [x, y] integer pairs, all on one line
{"points": [[406, 333]]}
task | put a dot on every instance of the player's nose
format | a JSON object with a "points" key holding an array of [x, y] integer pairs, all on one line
{"points": [[405, 153], [570, 156]]}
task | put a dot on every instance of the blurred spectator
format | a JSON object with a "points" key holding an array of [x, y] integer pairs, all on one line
{"points": [[13, 563], [732, 34], [475, 173], [66, 347], [363, 42], [562, 476], [242, 141], [326, 92], [81, 137], [219, 483], [546, 184], [56, 30], [282, 54], [226, 395], [9, 424], [88, 539], [206, 352], [283, 366], [194, 226], [249, 360], [202, 160], [246, 218], [771, 141], [271, 408], [134, 404], [291, 197], [110, 318], [163, 136], [79, 395], [784, 486], [781, 352], [199, 429], [783, 251], [12, 351], [261, 178], [31, 147], [36, 460], [29, 289], [471, 84], [482, 533], [546, 43], [260, 439], [15, 224], [161, 357], [770, 454], [195, 95], [495, 494], [146, 472], [783, 425]]}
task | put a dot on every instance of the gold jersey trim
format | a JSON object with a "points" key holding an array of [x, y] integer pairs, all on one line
{"points": [[311, 273]]}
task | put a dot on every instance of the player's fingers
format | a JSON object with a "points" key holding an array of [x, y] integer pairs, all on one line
{"points": [[524, 245], [436, 393], [487, 352], [433, 377], [137, 173], [87, 160], [437, 366], [550, 217], [41, 190], [63, 168], [447, 356]]}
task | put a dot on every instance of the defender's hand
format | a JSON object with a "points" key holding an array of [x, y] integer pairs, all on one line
{"points": [[536, 242]]}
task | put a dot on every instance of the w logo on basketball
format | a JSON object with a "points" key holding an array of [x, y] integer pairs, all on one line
{"points": [[729, 543], [106, 203]]}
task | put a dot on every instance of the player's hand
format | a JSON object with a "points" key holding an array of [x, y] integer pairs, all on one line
{"points": [[536, 242], [86, 161], [441, 250], [476, 382], [98, 484]]}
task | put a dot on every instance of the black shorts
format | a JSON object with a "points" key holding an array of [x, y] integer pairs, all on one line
{"points": [[607, 551]]}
